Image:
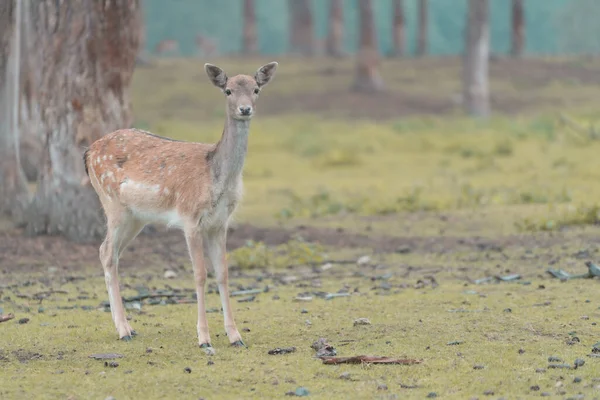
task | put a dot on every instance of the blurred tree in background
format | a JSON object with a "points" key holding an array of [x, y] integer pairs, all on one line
{"points": [[399, 29], [368, 75], [518, 28], [223, 20], [335, 34], [423, 37], [250, 42], [302, 29], [475, 70]]}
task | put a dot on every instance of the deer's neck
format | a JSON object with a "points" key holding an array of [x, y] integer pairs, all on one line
{"points": [[230, 152]]}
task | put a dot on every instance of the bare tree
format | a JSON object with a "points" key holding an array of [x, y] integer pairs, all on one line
{"points": [[14, 195], [250, 43], [518, 28], [335, 36], [475, 70], [368, 61], [85, 54], [302, 36], [422, 38], [399, 29]]}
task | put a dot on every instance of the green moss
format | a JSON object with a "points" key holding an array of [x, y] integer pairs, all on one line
{"points": [[411, 323]]}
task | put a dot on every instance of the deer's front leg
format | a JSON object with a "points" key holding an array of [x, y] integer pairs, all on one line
{"points": [[194, 242], [215, 248]]}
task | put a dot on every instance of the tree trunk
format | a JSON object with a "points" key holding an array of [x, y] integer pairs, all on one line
{"points": [[32, 140], [250, 44], [368, 76], [423, 28], [302, 40], [85, 51], [14, 195], [518, 28], [335, 36], [399, 29], [475, 79]]}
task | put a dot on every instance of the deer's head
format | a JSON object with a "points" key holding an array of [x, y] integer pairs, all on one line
{"points": [[241, 90]]}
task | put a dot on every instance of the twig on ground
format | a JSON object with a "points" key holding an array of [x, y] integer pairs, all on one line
{"points": [[369, 360]]}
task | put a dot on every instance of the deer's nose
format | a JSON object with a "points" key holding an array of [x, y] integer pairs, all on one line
{"points": [[245, 110]]}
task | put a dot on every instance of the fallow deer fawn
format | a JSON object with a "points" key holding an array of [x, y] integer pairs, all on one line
{"points": [[141, 178]]}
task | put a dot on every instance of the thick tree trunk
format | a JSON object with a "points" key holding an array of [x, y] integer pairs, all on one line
{"points": [[368, 76], [475, 78], [85, 51], [423, 28], [518, 28], [14, 195], [302, 36], [335, 36], [399, 29], [250, 43]]}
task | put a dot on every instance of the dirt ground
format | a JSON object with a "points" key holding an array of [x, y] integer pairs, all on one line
{"points": [[22, 254]]}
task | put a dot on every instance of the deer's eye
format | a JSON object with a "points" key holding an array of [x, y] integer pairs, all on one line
{"points": [[256, 91], [227, 92]]}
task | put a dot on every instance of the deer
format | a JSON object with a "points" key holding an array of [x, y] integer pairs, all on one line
{"points": [[141, 178]]}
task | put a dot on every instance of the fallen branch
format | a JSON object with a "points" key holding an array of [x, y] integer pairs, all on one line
{"points": [[151, 296], [593, 270], [369, 360]]}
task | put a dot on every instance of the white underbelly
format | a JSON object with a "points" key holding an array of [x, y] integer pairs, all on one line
{"points": [[170, 218]]}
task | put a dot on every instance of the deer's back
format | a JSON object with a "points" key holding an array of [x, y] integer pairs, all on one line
{"points": [[157, 179]]}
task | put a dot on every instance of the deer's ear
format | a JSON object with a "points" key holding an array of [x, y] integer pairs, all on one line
{"points": [[265, 73], [216, 75]]}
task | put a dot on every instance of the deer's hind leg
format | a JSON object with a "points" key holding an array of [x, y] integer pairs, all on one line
{"points": [[122, 227]]}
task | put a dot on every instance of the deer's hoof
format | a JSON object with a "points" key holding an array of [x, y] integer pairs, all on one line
{"points": [[133, 333], [239, 343], [127, 338], [208, 349]]}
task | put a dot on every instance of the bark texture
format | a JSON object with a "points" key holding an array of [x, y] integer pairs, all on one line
{"points": [[335, 36], [32, 140], [14, 195], [518, 28], [86, 52], [250, 43], [422, 39], [399, 29], [476, 74], [368, 60], [302, 36]]}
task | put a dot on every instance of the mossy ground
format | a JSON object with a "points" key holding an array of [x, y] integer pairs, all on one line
{"points": [[423, 195]]}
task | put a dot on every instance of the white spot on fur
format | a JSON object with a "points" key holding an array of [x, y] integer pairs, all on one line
{"points": [[98, 160], [110, 157], [166, 191], [104, 158]]}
